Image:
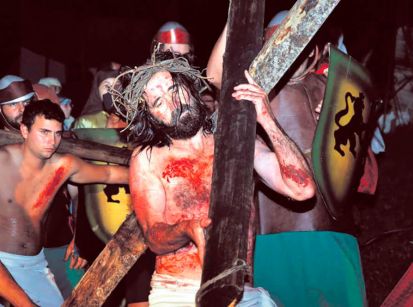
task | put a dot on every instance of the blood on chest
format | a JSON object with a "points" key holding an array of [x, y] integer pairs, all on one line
{"points": [[193, 173], [50, 188]]}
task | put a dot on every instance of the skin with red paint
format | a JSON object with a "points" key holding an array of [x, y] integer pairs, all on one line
{"points": [[50, 188], [31, 175], [170, 186], [186, 182], [295, 174]]}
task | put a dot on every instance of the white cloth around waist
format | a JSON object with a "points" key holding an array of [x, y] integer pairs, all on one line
{"points": [[33, 275]]}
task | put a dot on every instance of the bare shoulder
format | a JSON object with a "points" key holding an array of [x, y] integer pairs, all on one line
{"points": [[67, 161], [10, 153]]}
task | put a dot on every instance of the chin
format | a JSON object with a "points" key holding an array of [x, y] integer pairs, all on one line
{"points": [[48, 154]]}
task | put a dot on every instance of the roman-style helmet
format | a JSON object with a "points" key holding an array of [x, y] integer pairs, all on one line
{"points": [[171, 33], [14, 89], [274, 23]]}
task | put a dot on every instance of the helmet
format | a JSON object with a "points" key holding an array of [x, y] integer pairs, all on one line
{"points": [[14, 89], [49, 81], [274, 23], [172, 33]]}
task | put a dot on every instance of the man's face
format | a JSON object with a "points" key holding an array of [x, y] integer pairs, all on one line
{"points": [[44, 136], [13, 112], [172, 106]]}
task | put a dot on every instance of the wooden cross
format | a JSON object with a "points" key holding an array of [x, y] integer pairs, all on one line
{"points": [[235, 129]]}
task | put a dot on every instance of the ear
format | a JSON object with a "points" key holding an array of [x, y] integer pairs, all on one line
{"points": [[24, 130]]}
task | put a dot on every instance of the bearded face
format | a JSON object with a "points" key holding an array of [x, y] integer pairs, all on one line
{"points": [[13, 113], [172, 107], [186, 121]]}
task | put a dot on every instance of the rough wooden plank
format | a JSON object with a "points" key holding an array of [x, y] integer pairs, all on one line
{"points": [[115, 260], [402, 293], [289, 40], [83, 149], [232, 184]]}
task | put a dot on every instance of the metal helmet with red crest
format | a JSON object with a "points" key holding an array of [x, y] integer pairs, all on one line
{"points": [[274, 23], [174, 37]]}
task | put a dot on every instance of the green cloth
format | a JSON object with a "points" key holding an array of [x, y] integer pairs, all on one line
{"points": [[95, 120], [310, 268], [65, 277]]}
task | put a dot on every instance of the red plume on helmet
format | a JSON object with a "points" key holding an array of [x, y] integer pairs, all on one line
{"points": [[274, 23], [171, 33]]}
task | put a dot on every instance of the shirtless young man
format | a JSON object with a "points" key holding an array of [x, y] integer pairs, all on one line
{"points": [[32, 173], [170, 174]]}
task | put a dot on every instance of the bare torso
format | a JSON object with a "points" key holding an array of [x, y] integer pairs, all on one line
{"points": [[25, 196], [186, 175]]}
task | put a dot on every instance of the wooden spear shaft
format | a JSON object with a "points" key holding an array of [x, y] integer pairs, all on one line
{"points": [[304, 19]]}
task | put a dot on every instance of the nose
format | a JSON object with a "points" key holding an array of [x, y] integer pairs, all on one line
{"points": [[53, 139], [20, 107]]}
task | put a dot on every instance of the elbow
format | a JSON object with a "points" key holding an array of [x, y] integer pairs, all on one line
{"points": [[155, 248], [158, 248], [214, 77], [305, 192]]}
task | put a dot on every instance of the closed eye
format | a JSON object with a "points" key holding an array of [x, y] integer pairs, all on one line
{"points": [[157, 102]]}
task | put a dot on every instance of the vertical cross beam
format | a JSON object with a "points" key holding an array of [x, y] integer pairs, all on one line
{"points": [[232, 183]]}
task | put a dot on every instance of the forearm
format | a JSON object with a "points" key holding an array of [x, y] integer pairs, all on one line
{"points": [[215, 62], [164, 238], [293, 167], [11, 291], [118, 175]]}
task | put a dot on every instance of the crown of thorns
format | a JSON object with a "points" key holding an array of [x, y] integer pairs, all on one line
{"points": [[129, 100]]}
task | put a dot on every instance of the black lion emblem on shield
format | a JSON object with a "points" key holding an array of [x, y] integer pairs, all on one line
{"points": [[347, 133]]}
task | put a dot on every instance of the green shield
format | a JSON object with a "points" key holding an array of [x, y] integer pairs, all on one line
{"points": [[341, 137]]}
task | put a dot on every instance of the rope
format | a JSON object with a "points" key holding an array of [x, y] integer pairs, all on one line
{"points": [[242, 266]]}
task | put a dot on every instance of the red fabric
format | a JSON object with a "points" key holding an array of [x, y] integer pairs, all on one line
{"points": [[322, 69], [368, 182], [173, 36]]}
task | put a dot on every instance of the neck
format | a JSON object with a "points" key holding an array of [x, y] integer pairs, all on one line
{"points": [[197, 142], [30, 161]]}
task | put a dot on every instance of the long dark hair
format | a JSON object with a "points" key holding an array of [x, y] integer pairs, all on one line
{"points": [[148, 132]]}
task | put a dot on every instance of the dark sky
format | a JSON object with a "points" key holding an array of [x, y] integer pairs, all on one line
{"points": [[86, 33]]}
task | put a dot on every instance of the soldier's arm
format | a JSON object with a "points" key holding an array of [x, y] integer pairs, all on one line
{"points": [[283, 169], [149, 201], [215, 62], [11, 291]]}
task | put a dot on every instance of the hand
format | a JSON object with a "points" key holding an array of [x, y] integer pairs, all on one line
{"points": [[254, 93], [76, 262], [195, 230]]}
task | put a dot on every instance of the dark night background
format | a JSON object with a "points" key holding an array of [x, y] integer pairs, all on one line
{"points": [[82, 34]]}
